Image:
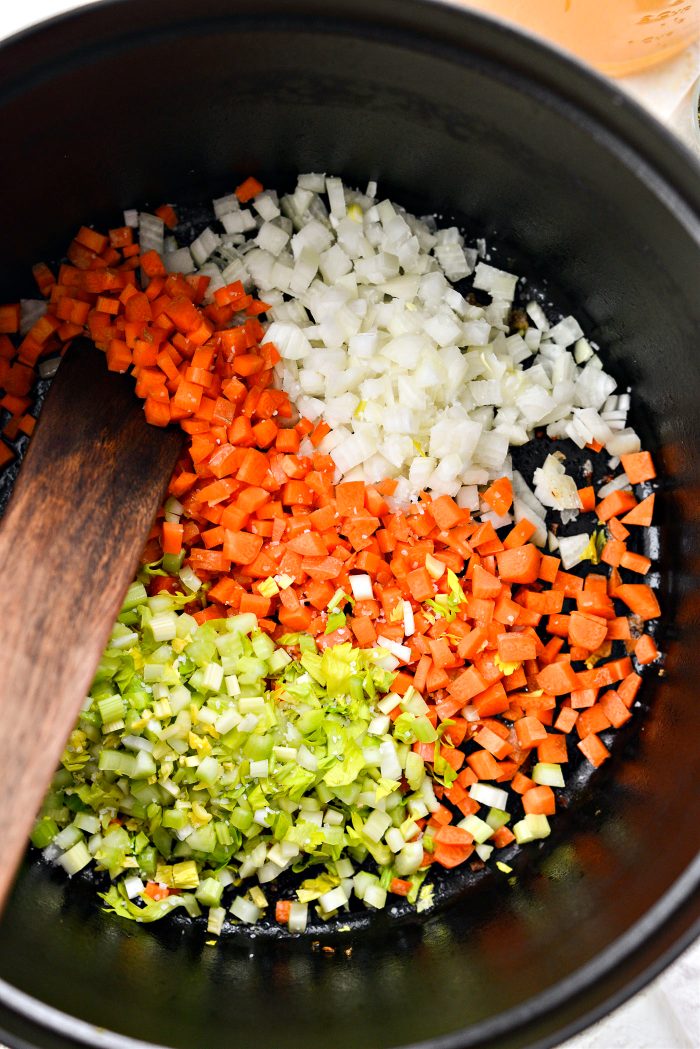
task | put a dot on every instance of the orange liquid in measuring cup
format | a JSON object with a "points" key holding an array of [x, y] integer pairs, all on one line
{"points": [[616, 36]]}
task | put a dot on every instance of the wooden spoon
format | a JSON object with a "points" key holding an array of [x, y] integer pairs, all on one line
{"points": [[70, 542]]}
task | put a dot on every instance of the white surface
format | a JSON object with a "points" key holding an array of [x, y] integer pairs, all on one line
{"points": [[671, 93], [667, 1014]]}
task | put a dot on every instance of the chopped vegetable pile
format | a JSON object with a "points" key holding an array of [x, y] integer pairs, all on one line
{"points": [[346, 657]]}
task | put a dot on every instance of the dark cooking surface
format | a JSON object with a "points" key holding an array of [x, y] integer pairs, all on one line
{"points": [[590, 196]]}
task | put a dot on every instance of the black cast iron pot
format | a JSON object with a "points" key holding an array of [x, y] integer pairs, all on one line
{"points": [[138, 101]]}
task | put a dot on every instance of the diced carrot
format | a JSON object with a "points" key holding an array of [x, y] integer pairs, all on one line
{"points": [[595, 603], [446, 513], [157, 413], [558, 625], [90, 239], [618, 629], [504, 836], [594, 750], [553, 750], [437, 678], [587, 631], [530, 731], [521, 784], [493, 700], [167, 213], [627, 690], [483, 764], [617, 529], [645, 650], [172, 537], [615, 504], [518, 565], [540, 801], [606, 674], [613, 552], [242, 547], [583, 697], [638, 466], [282, 911], [640, 599], [642, 513], [448, 835], [516, 647], [248, 189], [558, 679], [518, 536], [420, 585], [570, 584], [484, 584], [118, 356], [490, 741], [255, 603], [635, 562], [615, 710], [593, 719], [157, 892], [546, 602], [566, 720], [452, 855], [549, 566], [499, 496], [587, 497]]}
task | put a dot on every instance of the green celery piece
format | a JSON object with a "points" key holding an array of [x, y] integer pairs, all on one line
{"points": [[45, 830], [147, 860], [153, 911]]}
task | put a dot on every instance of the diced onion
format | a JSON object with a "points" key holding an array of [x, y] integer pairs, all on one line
{"points": [[361, 587], [416, 382]]}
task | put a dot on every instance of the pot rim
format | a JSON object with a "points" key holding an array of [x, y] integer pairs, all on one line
{"points": [[669, 170]]}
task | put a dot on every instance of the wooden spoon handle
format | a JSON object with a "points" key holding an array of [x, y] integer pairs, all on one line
{"points": [[70, 540]]}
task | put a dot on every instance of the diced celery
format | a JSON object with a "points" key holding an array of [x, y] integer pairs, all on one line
{"points": [[375, 897], [548, 774], [190, 579], [111, 708], [185, 875], [163, 626], [212, 677], [530, 828], [244, 910], [135, 595], [203, 839], [197, 729], [45, 830], [497, 818], [174, 819], [75, 858], [242, 624], [415, 770], [376, 825], [86, 822], [172, 563], [147, 861], [263, 646], [241, 818], [479, 829], [278, 660], [215, 920]]}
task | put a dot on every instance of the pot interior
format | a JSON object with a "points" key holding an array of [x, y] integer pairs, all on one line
{"points": [[131, 103]]}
